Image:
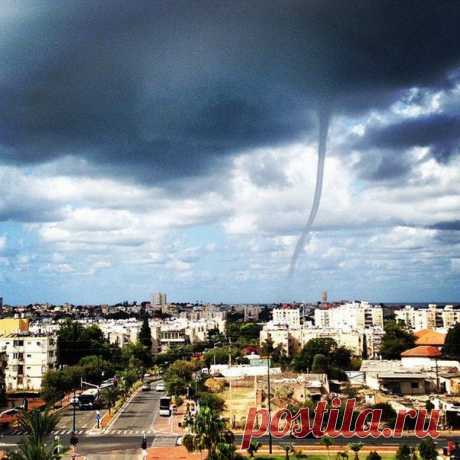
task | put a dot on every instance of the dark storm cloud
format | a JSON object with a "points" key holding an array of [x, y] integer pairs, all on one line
{"points": [[440, 132], [160, 90], [453, 225], [384, 166]]}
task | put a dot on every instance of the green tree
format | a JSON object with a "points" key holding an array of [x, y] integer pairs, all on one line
{"points": [[373, 455], [403, 453], [321, 346], [427, 449], [136, 355], [34, 445], [388, 413], [110, 396], [452, 343], [326, 441], [145, 334], [356, 447], [208, 432], [214, 402], [396, 340], [320, 363], [74, 342], [38, 425]]}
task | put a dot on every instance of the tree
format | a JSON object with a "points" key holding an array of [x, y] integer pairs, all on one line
{"points": [[214, 402], [452, 343], [326, 441], [110, 396], [34, 446], [429, 406], [322, 346], [403, 453], [208, 432], [320, 363], [145, 334], [38, 425], [373, 455], [396, 340], [388, 413], [427, 449], [74, 342], [356, 447]]}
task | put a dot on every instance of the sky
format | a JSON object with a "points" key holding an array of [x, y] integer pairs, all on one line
{"points": [[172, 146]]}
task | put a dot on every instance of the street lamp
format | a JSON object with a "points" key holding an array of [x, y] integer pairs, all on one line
{"points": [[73, 438]]}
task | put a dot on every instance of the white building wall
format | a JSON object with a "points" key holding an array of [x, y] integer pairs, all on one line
{"points": [[29, 357]]}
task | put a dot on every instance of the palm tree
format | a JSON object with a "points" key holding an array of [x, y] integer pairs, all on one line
{"points": [[356, 447], [287, 449], [326, 442], [29, 450], [208, 432], [38, 425], [110, 396]]}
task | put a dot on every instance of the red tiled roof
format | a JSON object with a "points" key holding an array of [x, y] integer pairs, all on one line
{"points": [[431, 338], [422, 351]]}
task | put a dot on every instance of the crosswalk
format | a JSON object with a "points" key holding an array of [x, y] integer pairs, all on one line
{"points": [[129, 432], [65, 432]]}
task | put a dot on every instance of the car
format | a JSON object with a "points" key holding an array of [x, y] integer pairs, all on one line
{"points": [[9, 416], [146, 386], [160, 387]]}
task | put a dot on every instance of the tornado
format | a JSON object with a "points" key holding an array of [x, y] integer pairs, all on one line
{"points": [[324, 116]]}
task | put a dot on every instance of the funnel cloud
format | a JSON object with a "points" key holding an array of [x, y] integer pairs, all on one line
{"points": [[324, 117]]}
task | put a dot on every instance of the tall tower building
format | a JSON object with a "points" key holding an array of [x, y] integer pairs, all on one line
{"points": [[324, 297], [159, 298]]}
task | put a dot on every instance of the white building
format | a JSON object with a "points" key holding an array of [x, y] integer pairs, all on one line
{"points": [[357, 326], [29, 356], [353, 316], [432, 317], [289, 316]]}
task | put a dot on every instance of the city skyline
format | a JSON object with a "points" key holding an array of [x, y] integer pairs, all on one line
{"points": [[173, 148]]}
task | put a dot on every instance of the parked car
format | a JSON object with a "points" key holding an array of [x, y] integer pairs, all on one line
{"points": [[9, 416], [146, 386], [160, 387]]}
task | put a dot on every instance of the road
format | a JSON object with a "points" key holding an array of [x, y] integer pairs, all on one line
{"points": [[138, 417], [85, 420]]}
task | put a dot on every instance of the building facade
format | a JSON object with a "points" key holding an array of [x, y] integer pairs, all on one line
{"points": [[29, 356], [432, 318]]}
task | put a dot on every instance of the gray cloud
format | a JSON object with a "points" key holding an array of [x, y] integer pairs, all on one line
{"points": [[163, 90], [440, 132]]}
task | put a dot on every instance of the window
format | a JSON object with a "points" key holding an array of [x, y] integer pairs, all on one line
{"points": [[39, 344], [414, 385], [18, 343], [15, 355], [29, 356]]}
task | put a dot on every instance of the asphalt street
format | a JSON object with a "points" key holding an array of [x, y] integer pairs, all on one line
{"points": [[84, 420], [138, 416]]}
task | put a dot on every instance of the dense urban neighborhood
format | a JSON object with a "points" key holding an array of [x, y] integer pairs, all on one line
{"points": [[157, 374]]}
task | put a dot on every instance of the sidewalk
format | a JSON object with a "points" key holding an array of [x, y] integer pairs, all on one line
{"points": [[175, 453], [170, 425]]}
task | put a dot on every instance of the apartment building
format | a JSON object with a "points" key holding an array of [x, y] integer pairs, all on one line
{"points": [[354, 316], [433, 317], [357, 326], [29, 356]]}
